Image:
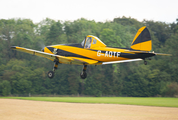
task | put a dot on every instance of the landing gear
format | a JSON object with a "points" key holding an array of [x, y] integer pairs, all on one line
{"points": [[83, 74], [145, 62], [51, 73]]}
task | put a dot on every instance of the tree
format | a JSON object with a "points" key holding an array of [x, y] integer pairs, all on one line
{"points": [[21, 73], [109, 38], [5, 88]]}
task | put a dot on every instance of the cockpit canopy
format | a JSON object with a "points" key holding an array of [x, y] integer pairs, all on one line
{"points": [[92, 42]]}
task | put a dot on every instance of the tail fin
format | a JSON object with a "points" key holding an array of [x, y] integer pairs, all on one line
{"points": [[142, 40]]}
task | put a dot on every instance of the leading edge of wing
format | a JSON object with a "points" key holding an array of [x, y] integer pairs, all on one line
{"points": [[121, 61], [41, 54]]}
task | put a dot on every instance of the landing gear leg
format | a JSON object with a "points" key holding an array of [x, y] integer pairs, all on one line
{"points": [[145, 62], [51, 73], [83, 74]]}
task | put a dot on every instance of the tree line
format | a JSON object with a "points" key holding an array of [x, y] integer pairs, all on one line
{"points": [[22, 73]]}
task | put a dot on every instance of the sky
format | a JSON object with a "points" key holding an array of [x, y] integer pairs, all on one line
{"points": [[98, 10]]}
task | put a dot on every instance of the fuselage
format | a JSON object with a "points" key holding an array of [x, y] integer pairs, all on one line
{"points": [[102, 54]]}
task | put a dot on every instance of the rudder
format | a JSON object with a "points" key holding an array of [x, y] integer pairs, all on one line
{"points": [[142, 40]]}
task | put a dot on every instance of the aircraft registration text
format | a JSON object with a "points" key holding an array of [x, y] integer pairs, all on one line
{"points": [[108, 54]]}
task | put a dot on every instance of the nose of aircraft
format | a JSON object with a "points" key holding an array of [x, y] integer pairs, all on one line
{"points": [[48, 50]]}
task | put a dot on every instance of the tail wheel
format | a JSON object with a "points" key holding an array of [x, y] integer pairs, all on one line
{"points": [[50, 74], [83, 75], [145, 62]]}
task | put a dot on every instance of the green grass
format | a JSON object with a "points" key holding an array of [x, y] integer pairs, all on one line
{"points": [[145, 101]]}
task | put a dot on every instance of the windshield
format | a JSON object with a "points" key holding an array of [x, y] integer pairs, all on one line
{"points": [[83, 42]]}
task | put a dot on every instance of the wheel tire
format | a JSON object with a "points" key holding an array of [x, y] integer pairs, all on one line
{"points": [[83, 75], [145, 62], [50, 74]]}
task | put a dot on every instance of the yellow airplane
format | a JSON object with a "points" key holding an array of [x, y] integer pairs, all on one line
{"points": [[92, 51]]}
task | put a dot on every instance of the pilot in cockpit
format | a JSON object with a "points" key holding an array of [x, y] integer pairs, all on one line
{"points": [[88, 42]]}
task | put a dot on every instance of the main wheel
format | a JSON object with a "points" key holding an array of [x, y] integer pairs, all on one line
{"points": [[83, 75], [50, 74]]}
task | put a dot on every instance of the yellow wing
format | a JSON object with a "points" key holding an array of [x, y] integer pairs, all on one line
{"points": [[62, 59]]}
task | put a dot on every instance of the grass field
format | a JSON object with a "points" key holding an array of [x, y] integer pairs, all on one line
{"points": [[145, 101]]}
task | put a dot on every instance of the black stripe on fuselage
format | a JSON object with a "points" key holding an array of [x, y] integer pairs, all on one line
{"points": [[137, 55], [130, 56], [66, 53]]}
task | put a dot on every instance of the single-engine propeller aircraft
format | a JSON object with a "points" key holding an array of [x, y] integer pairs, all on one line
{"points": [[92, 51]]}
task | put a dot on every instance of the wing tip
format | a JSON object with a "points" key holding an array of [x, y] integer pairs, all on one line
{"points": [[13, 47]]}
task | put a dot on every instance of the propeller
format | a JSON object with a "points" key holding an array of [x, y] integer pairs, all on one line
{"points": [[41, 45]]}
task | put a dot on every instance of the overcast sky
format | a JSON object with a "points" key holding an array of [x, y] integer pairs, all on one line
{"points": [[98, 10]]}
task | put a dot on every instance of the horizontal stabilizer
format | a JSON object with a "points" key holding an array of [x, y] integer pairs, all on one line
{"points": [[163, 54]]}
